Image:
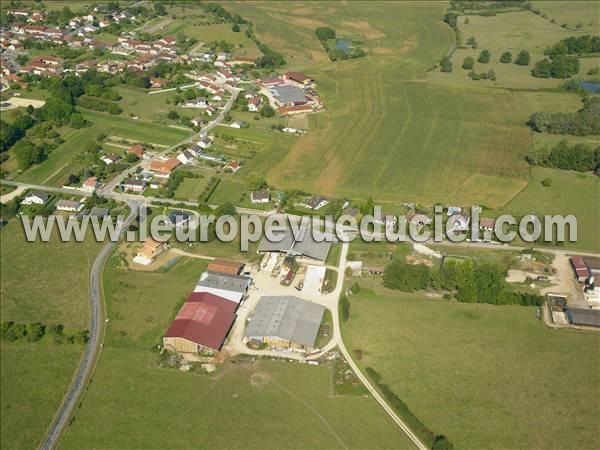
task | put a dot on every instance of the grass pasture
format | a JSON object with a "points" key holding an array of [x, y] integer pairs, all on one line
{"points": [[136, 130], [34, 378], [513, 32], [484, 376], [572, 13], [45, 281]]}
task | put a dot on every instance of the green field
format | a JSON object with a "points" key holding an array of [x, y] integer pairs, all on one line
{"points": [[45, 282], [133, 403], [230, 190], [570, 193], [147, 107], [34, 378], [484, 376], [513, 32], [136, 130], [572, 13]]}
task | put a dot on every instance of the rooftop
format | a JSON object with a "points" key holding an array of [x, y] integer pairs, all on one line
{"points": [[287, 93], [226, 282], [303, 244], [286, 317]]}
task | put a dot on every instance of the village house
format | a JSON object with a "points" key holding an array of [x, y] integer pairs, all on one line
{"points": [[198, 121], [254, 104], [158, 83], [149, 250], [238, 124], [164, 166], [68, 205], [90, 184], [241, 61], [35, 198], [316, 202], [186, 157], [232, 166], [134, 185], [110, 158], [138, 150], [200, 102], [179, 218], [44, 65], [261, 196], [459, 222]]}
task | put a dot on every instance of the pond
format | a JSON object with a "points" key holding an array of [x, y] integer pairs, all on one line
{"points": [[343, 45], [588, 86]]}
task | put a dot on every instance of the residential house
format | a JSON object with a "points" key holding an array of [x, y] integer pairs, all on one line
{"points": [[68, 205], [204, 142], [238, 124], [261, 196], [198, 121], [179, 218], [186, 157], [232, 166], [101, 213], [158, 83], [90, 184], [110, 158], [225, 75], [200, 102], [44, 65], [35, 198], [138, 150], [149, 250], [317, 202], [134, 185], [164, 166], [254, 104], [459, 222]]}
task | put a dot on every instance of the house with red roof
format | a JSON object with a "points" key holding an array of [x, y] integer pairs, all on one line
{"points": [[203, 323]]}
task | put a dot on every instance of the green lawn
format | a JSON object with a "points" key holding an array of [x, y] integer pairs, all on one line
{"points": [[136, 130], [570, 193], [147, 107], [513, 32], [34, 378], [230, 189], [191, 188], [572, 13], [484, 376], [45, 281]]}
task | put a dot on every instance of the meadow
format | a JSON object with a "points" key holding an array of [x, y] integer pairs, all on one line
{"points": [[570, 193], [513, 32], [133, 402], [45, 281], [34, 378], [474, 372], [49, 283]]}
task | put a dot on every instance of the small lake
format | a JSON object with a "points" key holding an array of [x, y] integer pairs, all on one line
{"points": [[588, 86], [343, 45]]}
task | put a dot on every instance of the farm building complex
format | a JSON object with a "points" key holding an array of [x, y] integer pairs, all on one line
{"points": [[301, 245]]}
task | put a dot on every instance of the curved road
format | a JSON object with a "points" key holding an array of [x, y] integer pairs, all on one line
{"points": [[90, 353]]}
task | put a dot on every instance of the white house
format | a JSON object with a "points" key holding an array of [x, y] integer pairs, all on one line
{"points": [[459, 222], [35, 198], [90, 184], [134, 185], [237, 124], [110, 158], [199, 102], [204, 142], [317, 202], [186, 157], [68, 205]]}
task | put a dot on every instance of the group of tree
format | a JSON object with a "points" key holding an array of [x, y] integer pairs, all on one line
{"points": [[586, 121], [575, 45], [11, 132], [559, 66], [578, 157], [489, 75], [469, 282], [445, 64], [484, 57], [34, 331]]}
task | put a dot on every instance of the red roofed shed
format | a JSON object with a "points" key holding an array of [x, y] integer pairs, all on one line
{"points": [[202, 323], [580, 267]]}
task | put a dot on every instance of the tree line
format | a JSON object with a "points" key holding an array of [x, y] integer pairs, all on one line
{"points": [[34, 331], [586, 121], [434, 441], [579, 157], [468, 282]]}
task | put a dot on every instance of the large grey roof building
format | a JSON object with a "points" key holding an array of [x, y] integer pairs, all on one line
{"points": [[303, 245], [286, 94], [286, 318]]}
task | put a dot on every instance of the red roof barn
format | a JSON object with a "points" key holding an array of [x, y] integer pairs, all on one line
{"points": [[203, 322]]}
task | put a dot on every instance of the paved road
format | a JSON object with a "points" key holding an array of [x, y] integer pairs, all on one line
{"points": [[90, 353]]}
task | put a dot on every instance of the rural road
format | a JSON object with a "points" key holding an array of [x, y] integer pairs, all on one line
{"points": [[90, 352]]}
